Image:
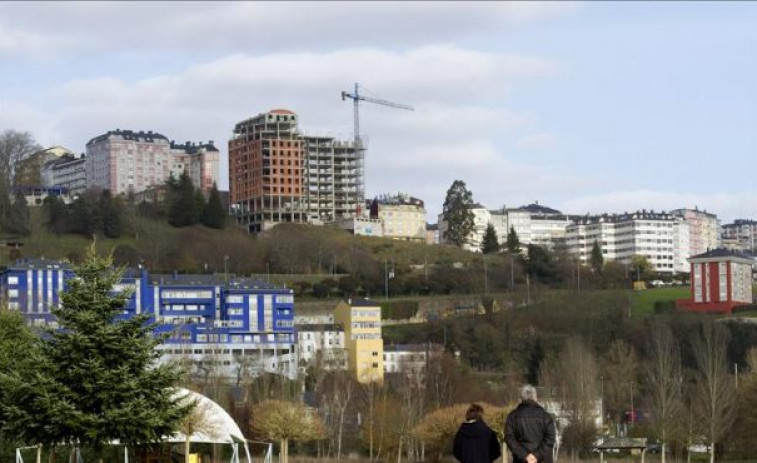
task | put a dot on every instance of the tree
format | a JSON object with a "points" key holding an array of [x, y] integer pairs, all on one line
{"points": [[437, 429], [99, 379], [83, 217], [741, 440], [664, 380], [597, 259], [540, 264], [282, 421], [513, 242], [184, 206], [199, 420], [214, 215], [14, 148], [57, 214], [618, 371], [110, 215], [457, 213], [641, 269], [490, 243], [716, 397], [18, 219]]}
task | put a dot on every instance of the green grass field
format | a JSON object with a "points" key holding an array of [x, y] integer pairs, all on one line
{"points": [[643, 301]]}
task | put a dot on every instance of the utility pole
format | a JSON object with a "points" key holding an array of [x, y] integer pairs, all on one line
{"points": [[512, 274]]}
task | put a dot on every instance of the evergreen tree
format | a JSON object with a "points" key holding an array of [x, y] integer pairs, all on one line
{"points": [[57, 214], [513, 242], [457, 213], [110, 215], [214, 216], [102, 370], [184, 206], [490, 243], [83, 217], [597, 259], [541, 265], [18, 222]]}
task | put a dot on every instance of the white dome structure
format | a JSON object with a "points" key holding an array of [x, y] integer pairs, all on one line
{"points": [[223, 428]]}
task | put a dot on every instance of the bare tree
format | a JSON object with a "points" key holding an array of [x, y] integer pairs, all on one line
{"points": [[715, 391], [14, 148], [664, 380], [619, 368], [201, 420]]}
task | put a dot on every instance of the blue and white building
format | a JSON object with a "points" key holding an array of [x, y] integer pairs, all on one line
{"points": [[229, 324]]}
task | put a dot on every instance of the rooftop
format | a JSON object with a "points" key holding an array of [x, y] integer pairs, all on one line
{"points": [[319, 327], [148, 136], [360, 302], [721, 253], [536, 208]]}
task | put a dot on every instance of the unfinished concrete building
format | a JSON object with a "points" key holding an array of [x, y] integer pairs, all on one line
{"points": [[334, 178], [266, 171], [277, 174]]}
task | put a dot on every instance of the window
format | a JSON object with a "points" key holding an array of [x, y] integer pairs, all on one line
{"points": [[235, 299], [12, 280], [186, 294], [285, 299], [12, 293]]}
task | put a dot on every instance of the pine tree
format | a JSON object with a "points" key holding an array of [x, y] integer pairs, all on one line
{"points": [[101, 370], [57, 214], [214, 216], [597, 259], [110, 215], [184, 207], [490, 243], [458, 214], [83, 217], [513, 243]]}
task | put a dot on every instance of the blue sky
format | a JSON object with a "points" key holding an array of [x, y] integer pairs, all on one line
{"points": [[587, 107]]}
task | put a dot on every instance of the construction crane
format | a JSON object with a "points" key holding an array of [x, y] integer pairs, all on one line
{"points": [[356, 98]]}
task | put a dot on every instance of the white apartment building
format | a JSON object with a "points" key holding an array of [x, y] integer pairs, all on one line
{"points": [[741, 235], [410, 359], [704, 230], [323, 343], [534, 224], [403, 217], [69, 171], [124, 161], [662, 237]]}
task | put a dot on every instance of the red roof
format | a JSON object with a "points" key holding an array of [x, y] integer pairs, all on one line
{"points": [[281, 111]]}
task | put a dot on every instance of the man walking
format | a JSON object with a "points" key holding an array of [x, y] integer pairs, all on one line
{"points": [[530, 431]]}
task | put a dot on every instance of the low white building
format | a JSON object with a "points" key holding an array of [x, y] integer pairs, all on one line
{"points": [[481, 218], [741, 235], [410, 359], [69, 171], [402, 216], [322, 344], [362, 226]]}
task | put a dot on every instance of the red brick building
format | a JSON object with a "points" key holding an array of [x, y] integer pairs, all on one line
{"points": [[720, 280]]}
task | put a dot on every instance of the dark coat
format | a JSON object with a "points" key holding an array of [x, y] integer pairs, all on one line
{"points": [[530, 429], [475, 442]]}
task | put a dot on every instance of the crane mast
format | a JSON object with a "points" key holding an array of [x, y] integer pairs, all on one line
{"points": [[356, 98]]}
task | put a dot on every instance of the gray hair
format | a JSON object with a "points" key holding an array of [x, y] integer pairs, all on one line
{"points": [[528, 392]]}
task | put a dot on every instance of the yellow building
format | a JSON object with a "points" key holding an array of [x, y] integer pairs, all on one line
{"points": [[361, 319]]}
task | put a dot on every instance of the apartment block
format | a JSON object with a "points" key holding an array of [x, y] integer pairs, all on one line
{"points": [[534, 224], [742, 235], [411, 360], [29, 169], [277, 174], [68, 171], [361, 319], [662, 237], [125, 161], [704, 230], [402, 216], [231, 323]]}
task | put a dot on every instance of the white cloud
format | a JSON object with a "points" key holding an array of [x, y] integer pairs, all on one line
{"points": [[254, 26], [727, 206]]}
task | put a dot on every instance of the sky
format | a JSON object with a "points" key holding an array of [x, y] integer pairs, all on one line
{"points": [[585, 107]]}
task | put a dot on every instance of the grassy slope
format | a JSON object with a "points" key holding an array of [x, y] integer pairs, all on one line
{"points": [[643, 301]]}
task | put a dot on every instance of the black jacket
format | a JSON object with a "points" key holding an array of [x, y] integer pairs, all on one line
{"points": [[475, 442], [530, 429]]}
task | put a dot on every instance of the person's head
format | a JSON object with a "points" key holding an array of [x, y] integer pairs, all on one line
{"points": [[474, 413], [528, 392]]}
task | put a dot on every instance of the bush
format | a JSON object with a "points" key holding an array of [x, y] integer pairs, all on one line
{"points": [[398, 310], [661, 307]]}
